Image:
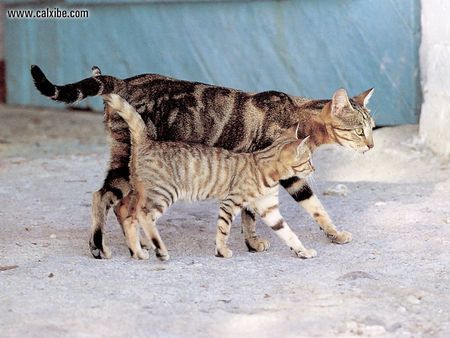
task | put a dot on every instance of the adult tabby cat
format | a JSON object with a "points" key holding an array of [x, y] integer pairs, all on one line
{"points": [[220, 117], [163, 172]]}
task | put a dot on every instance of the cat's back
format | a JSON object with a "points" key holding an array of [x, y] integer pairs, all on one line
{"points": [[203, 113]]}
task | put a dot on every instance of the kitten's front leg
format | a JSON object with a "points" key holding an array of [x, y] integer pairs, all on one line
{"points": [[227, 211], [252, 240], [267, 208], [303, 194]]}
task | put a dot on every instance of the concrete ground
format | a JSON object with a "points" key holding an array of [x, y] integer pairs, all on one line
{"points": [[392, 281]]}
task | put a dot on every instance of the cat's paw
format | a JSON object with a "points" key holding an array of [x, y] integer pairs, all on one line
{"points": [[162, 255], [224, 252], [257, 244], [341, 237], [306, 253], [99, 254]]}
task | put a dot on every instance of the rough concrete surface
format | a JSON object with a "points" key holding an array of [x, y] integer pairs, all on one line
{"points": [[391, 281]]}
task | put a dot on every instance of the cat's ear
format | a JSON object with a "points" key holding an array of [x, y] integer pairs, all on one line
{"points": [[363, 98], [339, 102], [292, 131]]}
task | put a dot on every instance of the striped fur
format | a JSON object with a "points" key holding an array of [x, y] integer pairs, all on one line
{"points": [[165, 172], [215, 116]]}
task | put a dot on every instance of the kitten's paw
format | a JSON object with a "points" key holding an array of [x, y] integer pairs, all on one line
{"points": [[141, 254], [106, 252], [257, 244], [224, 252], [307, 253], [341, 237], [162, 255]]}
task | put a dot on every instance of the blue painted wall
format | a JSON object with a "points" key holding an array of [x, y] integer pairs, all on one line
{"points": [[304, 47]]}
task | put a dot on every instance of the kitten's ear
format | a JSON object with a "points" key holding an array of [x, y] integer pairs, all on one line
{"points": [[339, 102], [363, 98], [304, 145], [305, 141], [292, 131]]}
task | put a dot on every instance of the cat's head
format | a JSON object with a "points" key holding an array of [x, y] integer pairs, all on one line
{"points": [[348, 121], [295, 154]]}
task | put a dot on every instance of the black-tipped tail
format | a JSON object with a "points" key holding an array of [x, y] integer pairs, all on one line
{"points": [[74, 92], [42, 84]]}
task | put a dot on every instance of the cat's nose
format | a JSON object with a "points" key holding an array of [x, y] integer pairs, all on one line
{"points": [[370, 145]]}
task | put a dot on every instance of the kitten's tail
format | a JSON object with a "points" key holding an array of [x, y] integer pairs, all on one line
{"points": [[138, 130], [74, 92]]}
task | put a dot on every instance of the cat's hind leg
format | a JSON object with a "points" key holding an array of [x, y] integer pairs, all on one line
{"points": [[268, 209], [116, 186]]}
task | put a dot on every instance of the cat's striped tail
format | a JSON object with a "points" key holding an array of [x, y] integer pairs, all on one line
{"points": [[138, 130], [74, 92]]}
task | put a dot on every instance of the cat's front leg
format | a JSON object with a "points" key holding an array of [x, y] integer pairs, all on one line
{"points": [[268, 209], [302, 193], [227, 212]]}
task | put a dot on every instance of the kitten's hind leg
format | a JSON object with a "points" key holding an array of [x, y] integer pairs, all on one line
{"points": [[267, 208], [147, 219], [227, 211], [252, 240], [122, 211], [130, 227]]}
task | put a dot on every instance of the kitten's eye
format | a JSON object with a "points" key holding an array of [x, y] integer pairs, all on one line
{"points": [[360, 132]]}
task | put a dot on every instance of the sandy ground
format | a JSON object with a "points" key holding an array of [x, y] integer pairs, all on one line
{"points": [[392, 281]]}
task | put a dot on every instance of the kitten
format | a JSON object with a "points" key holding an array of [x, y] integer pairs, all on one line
{"points": [[163, 172], [221, 117]]}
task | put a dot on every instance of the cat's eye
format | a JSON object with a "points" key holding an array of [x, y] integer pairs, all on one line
{"points": [[360, 132]]}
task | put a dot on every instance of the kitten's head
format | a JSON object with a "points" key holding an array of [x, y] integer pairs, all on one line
{"points": [[295, 155], [348, 120]]}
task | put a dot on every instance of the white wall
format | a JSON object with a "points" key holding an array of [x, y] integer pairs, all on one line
{"points": [[435, 75]]}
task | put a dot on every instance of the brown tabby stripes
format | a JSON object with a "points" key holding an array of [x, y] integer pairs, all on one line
{"points": [[237, 180], [216, 116]]}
